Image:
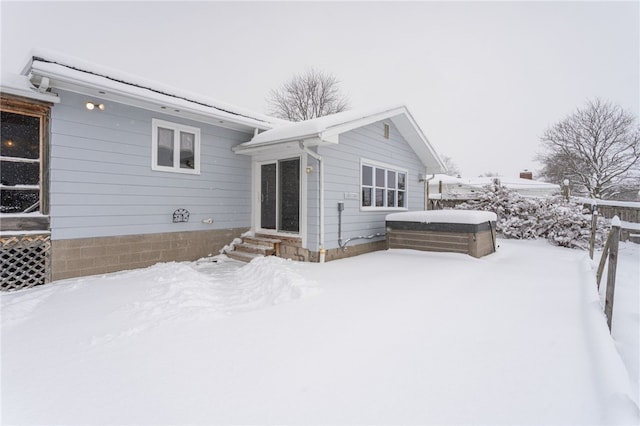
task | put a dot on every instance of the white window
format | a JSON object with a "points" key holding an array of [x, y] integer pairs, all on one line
{"points": [[175, 147], [382, 187]]}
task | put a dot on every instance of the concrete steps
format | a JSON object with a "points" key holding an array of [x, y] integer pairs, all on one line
{"points": [[252, 247]]}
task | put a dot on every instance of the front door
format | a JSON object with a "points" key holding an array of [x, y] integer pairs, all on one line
{"points": [[280, 196]]}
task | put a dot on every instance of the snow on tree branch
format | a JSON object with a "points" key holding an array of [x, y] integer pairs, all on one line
{"points": [[562, 223], [597, 148]]}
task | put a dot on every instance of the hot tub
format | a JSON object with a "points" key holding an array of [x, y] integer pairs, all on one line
{"points": [[458, 231]]}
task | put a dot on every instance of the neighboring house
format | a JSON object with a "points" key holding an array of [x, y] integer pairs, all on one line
{"points": [[103, 171], [452, 189]]}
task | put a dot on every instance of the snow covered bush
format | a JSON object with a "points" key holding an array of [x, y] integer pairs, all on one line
{"points": [[563, 223]]}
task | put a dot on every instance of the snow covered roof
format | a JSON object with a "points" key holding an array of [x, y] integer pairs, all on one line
{"points": [[479, 182], [20, 85], [326, 130], [465, 188], [52, 69]]}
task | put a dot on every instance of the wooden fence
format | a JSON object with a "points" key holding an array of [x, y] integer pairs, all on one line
{"points": [[624, 213], [610, 253]]}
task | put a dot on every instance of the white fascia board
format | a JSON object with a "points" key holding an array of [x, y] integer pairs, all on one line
{"points": [[19, 85], [406, 125], [73, 63], [279, 151], [328, 138], [99, 86], [329, 134], [253, 149], [361, 122]]}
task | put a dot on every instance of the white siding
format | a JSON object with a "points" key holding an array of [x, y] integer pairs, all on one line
{"points": [[102, 183]]}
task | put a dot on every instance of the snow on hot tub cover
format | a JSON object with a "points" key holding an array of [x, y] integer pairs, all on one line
{"points": [[470, 217]]}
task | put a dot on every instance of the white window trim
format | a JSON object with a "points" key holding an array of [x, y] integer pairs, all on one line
{"points": [[302, 230], [387, 167], [177, 128]]}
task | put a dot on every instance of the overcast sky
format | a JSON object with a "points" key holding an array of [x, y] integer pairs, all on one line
{"points": [[483, 79]]}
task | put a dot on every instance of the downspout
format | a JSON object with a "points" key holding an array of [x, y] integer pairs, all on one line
{"points": [[318, 157], [426, 198]]}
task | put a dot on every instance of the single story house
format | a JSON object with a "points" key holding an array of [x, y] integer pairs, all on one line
{"points": [[105, 171]]}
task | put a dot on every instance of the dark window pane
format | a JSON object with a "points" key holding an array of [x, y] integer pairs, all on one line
{"points": [[18, 201], [269, 196], [379, 197], [401, 201], [289, 180], [20, 136], [402, 181], [366, 197], [165, 147], [379, 178], [367, 175], [391, 198], [187, 150], [18, 173]]}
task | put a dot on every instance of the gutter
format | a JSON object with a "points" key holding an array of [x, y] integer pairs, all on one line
{"points": [[251, 146], [41, 67]]}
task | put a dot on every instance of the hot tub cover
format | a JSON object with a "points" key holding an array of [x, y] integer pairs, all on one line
{"points": [[470, 217]]}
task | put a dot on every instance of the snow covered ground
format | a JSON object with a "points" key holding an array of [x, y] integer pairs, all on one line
{"points": [[393, 337]]}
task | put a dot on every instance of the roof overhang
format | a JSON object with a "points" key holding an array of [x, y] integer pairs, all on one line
{"points": [[327, 131], [19, 85], [68, 76]]}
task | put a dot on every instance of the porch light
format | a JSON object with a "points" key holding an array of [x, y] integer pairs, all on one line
{"points": [[92, 105]]}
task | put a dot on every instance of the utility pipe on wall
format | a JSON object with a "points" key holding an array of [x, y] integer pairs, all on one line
{"points": [[343, 244]]}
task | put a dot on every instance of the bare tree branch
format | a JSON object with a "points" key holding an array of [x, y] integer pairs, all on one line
{"points": [[450, 165], [597, 148], [308, 95]]}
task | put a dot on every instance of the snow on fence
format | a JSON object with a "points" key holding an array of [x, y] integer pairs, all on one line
{"points": [[26, 259], [627, 211]]}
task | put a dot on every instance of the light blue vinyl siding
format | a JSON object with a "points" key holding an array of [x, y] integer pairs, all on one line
{"points": [[342, 175], [102, 183]]}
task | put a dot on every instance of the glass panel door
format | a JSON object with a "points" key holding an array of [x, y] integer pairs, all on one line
{"points": [[289, 179], [280, 195], [269, 194]]}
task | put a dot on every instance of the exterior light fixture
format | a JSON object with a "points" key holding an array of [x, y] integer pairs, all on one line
{"points": [[92, 105]]}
